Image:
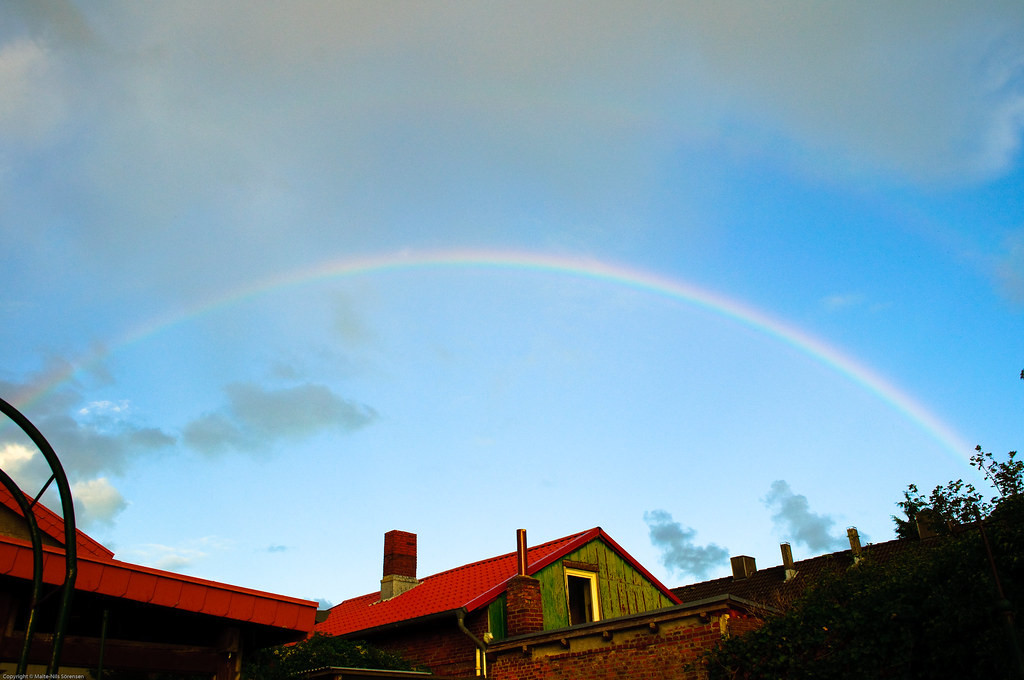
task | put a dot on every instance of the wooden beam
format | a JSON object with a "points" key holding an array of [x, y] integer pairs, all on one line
{"points": [[120, 654]]}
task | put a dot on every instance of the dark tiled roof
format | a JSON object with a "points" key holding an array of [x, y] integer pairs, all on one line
{"points": [[769, 586]]}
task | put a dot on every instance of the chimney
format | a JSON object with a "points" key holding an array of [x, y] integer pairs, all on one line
{"points": [[521, 552], [399, 564], [787, 561], [524, 609], [854, 537], [742, 566], [927, 523]]}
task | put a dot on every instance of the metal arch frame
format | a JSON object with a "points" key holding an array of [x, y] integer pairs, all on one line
{"points": [[70, 537]]}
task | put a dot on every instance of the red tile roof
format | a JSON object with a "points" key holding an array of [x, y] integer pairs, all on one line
{"points": [[470, 587], [52, 524]]}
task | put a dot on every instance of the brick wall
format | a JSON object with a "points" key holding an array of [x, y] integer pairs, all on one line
{"points": [[439, 644], [666, 645]]}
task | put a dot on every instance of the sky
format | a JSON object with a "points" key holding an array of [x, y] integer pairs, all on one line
{"points": [[279, 277]]}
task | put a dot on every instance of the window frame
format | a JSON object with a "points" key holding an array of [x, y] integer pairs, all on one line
{"points": [[595, 594]]}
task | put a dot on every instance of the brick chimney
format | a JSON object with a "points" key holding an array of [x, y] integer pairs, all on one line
{"points": [[524, 609], [399, 564]]}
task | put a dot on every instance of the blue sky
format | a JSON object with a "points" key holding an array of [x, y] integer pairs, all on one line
{"points": [[280, 277]]}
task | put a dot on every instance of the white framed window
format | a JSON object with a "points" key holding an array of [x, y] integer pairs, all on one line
{"points": [[582, 596]]}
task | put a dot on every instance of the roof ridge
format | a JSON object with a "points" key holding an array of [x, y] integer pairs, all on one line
{"points": [[529, 549], [446, 572]]}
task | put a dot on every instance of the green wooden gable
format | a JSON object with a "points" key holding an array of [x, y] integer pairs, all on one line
{"points": [[621, 589]]}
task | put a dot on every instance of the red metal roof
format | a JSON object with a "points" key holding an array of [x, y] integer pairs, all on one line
{"points": [[471, 586], [52, 524], [161, 588], [99, 572]]}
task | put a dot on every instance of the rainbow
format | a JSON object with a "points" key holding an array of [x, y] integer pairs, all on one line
{"points": [[584, 268]]}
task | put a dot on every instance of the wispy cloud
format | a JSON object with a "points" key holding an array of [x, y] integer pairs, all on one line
{"points": [[678, 552], [839, 301], [795, 521], [1009, 267], [177, 557], [32, 104]]}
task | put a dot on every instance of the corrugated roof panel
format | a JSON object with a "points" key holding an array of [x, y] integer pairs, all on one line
{"points": [[144, 584]]}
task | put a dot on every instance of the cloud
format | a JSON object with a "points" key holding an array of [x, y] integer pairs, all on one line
{"points": [[843, 301], [328, 123], [794, 519], [96, 502], [678, 553], [91, 439], [1009, 268], [177, 557], [31, 105], [256, 417], [21, 462]]}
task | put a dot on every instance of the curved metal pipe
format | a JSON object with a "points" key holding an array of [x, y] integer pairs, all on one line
{"points": [[37, 565], [70, 534]]}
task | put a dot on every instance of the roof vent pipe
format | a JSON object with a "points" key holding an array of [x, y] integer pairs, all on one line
{"points": [[787, 561], [521, 552], [854, 537]]}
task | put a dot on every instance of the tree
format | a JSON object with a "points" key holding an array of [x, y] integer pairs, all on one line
{"points": [[927, 613], [958, 502], [319, 651]]}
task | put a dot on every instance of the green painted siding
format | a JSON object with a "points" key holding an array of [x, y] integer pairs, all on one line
{"points": [[622, 589], [496, 617]]}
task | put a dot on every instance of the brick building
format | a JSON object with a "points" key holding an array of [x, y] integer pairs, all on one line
{"points": [[578, 606]]}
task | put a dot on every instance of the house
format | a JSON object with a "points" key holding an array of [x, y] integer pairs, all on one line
{"points": [[777, 586], [128, 617], [577, 606]]}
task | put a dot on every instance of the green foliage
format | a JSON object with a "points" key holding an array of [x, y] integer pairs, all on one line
{"points": [[932, 611], [959, 502], [319, 651], [926, 613]]}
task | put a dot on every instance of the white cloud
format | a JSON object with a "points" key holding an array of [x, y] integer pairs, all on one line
{"points": [[14, 458], [104, 408], [96, 502]]}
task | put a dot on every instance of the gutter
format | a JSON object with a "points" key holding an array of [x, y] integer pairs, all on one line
{"points": [[460, 618]]}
